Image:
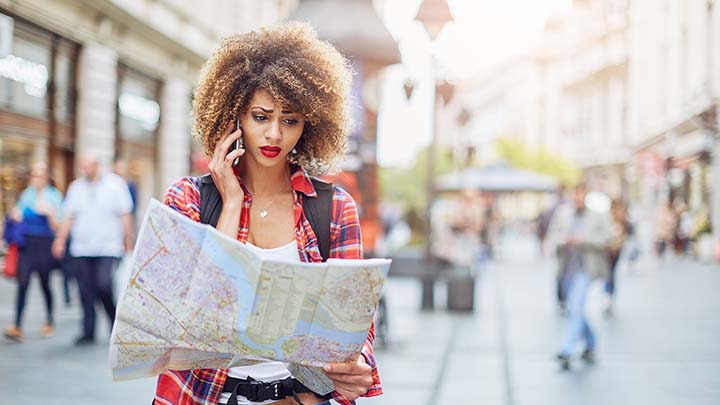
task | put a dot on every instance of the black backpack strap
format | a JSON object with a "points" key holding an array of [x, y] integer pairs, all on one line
{"points": [[210, 201], [318, 212]]}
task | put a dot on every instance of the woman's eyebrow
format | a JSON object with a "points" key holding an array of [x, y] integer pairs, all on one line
{"points": [[270, 110], [267, 110]]}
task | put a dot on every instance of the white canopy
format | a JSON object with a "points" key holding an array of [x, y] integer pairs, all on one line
{"points": [[499, 178]]}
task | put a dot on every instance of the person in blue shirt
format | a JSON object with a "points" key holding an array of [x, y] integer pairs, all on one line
{"points": [[39, 211], [120, 168]]}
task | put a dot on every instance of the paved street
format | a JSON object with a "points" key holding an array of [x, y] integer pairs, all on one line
{"points": [[660, 348]]}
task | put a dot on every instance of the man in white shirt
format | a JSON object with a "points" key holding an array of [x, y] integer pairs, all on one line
{"points": [[98, 217]]}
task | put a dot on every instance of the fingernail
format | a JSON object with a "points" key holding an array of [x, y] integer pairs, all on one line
{"points": [[327, 368]]}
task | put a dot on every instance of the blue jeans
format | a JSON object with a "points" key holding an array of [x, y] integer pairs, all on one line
{"points": [[610, 283], [576, 324]]}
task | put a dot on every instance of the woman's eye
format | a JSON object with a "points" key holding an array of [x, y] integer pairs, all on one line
{"points": [[291, 121], [259, 117]]}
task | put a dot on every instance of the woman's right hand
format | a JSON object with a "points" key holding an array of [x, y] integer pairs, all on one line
{"points": [[221, 167]]}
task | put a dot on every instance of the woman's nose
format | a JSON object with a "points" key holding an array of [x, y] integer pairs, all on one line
{"points": [[273, 131]]}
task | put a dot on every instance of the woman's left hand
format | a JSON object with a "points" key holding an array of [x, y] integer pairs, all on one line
{"points": [[352, 380]]}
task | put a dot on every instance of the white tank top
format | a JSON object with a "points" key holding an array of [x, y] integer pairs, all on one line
{"points": [[264, 370]]}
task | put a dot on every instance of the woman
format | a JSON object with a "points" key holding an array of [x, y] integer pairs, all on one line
{"points": [[38, 210], [288, 92]]}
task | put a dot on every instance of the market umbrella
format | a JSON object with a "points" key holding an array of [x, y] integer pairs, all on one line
{"points": [[498, 178]]}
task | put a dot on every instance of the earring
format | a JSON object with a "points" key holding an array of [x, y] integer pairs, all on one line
{"points": [[292, 155], [242, 142]]}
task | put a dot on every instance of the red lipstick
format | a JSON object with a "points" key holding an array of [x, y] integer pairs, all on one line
{"points": [[270, 151]]}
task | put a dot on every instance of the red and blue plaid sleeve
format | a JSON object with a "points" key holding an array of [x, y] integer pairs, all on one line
{"points": [[346, 243], [184, 197]]}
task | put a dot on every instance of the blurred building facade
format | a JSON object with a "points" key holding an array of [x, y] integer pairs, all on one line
{"points": [[673, 114], [488, 107], [591, 77], [627, 89], [108, 77]]}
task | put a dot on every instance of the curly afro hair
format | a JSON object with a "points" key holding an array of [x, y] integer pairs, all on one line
{"points": [[301, 72]]}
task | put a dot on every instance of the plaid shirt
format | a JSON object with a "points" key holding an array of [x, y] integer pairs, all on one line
{"points": [[204, 386]]}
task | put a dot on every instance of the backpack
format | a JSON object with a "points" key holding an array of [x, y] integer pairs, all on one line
{"points": [[318, 211]]}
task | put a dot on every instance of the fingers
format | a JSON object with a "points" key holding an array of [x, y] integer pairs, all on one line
{"points": [[220, 158], [228, 130], [227, 141], [347, 368], [352, 379], [351, 392], [234, 154]]}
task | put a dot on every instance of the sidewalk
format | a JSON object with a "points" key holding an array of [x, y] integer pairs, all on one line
{"points": [[660, 348], [54, 371]]}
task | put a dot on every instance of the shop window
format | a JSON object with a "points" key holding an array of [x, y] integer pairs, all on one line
{"points": [[138, 119], [138, 108], [25, 72], [31, 59], [14, 157]]}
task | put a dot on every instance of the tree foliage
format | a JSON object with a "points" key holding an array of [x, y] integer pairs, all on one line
{"points": [[408, 186], [519, 155]]}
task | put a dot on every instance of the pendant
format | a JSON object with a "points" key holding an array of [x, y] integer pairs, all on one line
{"points": [[263, 213]]}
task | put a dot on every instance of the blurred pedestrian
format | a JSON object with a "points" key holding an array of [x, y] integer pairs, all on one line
{"points": [[463, 245], [665, 228], [684, 229], [38, 211], [581, 237], [490, 225], [98, 219], [621, 229], [121, 169], [546, 217], [542, 230]]}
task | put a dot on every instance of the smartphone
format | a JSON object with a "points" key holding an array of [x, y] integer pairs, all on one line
{"points": [[237, 144]]}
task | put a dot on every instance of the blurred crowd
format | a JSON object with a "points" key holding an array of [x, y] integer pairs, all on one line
{"points": [[83, 234]]}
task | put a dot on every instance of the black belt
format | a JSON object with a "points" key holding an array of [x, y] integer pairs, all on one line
{"points": [[259, 391]]}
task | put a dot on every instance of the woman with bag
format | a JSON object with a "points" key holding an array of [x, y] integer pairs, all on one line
{"points": [[270, 109], [38, 211]]}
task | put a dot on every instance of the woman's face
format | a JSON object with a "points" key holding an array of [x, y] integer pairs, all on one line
{"points": [[269, 133], [39, 177]]}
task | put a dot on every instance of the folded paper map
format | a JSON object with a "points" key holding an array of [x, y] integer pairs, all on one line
{"points": [[198, 299]]}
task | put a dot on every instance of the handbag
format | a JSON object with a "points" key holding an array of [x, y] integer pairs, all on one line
{"points": [[11, 261], [14, 232]]}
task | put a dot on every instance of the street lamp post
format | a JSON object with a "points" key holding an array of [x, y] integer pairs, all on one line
{"points": [[433, 14]]}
